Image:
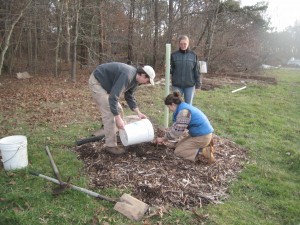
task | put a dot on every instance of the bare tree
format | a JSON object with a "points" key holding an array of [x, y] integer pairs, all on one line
{"points": [[130, 30], [8, 33], [101, 31], [74, 61], [211, 31], [14, 53], [156, 25], [67, 31], [60, 8], [137, 32], [171, 18]]}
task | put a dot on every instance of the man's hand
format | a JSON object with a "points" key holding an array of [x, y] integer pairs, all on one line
{"points": [[139, 114], [119, 122], [142, 116], [198, 86]]}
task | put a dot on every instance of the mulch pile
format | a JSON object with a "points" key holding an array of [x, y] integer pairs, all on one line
{"points": [[159, 178]]}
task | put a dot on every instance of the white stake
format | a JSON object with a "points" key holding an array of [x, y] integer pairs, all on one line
{"points": [[238, 89]]}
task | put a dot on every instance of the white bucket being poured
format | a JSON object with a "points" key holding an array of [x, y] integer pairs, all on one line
{"points": [[137, 132], [14, 152]]}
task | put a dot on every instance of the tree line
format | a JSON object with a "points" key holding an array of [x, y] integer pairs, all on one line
{"points": [[49, 36]]}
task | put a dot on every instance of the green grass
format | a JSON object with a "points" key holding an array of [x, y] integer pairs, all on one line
{"points": [[265, 119]]}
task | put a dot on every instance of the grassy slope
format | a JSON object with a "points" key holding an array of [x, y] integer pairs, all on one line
{"points": [[264, 120]]}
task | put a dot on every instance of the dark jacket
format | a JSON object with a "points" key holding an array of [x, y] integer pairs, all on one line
{"points": [[117, 78], [199, 124], [185, 69]]}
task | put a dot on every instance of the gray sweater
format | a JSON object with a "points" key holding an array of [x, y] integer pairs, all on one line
{"points": [[117, 78]]}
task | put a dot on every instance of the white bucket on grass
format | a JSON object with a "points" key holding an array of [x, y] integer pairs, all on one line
{"points": [[137, 132], [14, 152]]}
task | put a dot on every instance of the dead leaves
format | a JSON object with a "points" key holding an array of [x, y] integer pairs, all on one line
{"points": [[44, 100]]}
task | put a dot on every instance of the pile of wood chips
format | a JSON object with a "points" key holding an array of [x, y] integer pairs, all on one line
{"points": [[159, 178]]}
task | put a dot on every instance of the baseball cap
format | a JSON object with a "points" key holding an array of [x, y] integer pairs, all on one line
{"points": [[150, 72]]}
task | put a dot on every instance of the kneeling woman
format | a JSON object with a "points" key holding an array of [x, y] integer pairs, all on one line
{"points": [[200, 130]]}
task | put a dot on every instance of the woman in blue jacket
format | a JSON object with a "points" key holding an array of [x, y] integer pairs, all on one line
{"points": [[188, 117]]}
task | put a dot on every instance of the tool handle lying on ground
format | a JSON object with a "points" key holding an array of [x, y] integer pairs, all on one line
{"points": [[87, 140], [129, 206], [91, 193], [55, 169]]}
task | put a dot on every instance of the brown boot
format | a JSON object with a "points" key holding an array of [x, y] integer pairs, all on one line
{"points": [[171, 145], [208, 152], [115, 150]]}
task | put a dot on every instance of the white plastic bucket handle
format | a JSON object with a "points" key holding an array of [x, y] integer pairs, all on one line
{"points": [[21, 146], [14, 152]]}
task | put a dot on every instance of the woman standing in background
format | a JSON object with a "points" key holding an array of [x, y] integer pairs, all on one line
{"points": [[185, 70]]}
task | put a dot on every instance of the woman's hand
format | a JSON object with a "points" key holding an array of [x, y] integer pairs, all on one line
{"points": [[159, 140]]}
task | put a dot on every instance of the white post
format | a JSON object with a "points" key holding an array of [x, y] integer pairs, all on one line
{"points": [[167, 85]]}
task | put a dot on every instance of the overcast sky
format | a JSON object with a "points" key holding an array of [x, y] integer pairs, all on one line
{"points": [[283, 13]]}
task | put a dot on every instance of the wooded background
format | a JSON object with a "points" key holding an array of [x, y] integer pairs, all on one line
{"points": [[51, 36]]}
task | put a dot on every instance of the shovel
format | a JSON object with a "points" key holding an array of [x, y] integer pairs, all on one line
{"points": [[127, 205], [62, 185]]}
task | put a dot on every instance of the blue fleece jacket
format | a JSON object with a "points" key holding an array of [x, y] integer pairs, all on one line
{"points": [[199, 124]]}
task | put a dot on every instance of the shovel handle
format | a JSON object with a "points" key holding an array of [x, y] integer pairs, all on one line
{"points": [[55, 169], [91, 193]]}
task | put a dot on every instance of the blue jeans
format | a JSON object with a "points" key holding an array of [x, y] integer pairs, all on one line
{"points": [[187, 92]]}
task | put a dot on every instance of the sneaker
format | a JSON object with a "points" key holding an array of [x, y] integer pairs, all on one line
{"points": [[115, 150]]}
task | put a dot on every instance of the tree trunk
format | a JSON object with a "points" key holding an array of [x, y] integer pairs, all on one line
{"points": [[130, 31], [170, 29], [101, 33], [83, 56], [29, 43], [155, 42], [12, 60], [35, 40], [77, 7], [202, 34], [59, 28], [67, 30], [7, 36], [210, 34]]}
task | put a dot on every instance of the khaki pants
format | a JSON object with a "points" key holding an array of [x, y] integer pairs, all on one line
{"points": [[188, 147], [100, 96]]}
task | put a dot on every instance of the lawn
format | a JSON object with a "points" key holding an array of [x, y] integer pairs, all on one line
{"points": [[50, 111]]}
